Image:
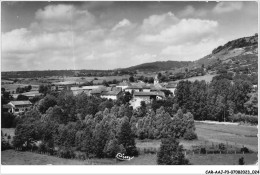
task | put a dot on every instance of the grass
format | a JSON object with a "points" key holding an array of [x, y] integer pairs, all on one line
{"points": [[11, 157], [236, 135], [207, 78], [221, 159]]}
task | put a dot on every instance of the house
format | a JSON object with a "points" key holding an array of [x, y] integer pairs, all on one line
{"points": [[63, 85], [146, 88], [18, 107], [171, 87], [148, 96], [85, 89], [114, 95], [32, 94], [7, 108], [123, 85], [134, 88]]}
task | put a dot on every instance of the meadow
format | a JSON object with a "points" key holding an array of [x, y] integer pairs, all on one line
{"points": [[207, 78]]}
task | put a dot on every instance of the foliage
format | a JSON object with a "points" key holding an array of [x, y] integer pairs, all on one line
{"points": [[126, 138], [241, 161], [47, 102], [22, 98], [239, 117], [171, 153], [7, 120], [23, 89]]}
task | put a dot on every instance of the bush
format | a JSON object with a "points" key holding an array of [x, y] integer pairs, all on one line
{"points": [[171, 153], [241, 161], [190, 135], [244, 149], [244, 118], [5, 145], [221, 146], [203, 151]]}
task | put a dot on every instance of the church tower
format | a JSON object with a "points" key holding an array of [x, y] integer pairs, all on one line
{"points": [[156, 80]]}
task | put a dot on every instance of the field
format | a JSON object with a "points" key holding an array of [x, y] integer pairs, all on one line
{"points": [[236, 135], [207, 78], [13, 87], [11, 157]]}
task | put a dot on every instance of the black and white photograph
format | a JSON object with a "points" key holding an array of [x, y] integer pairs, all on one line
{"points": [[130, 83]]}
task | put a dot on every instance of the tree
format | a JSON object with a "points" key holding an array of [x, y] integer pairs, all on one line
{"points": [[126, 138], [44, 89], [7, 120], [171, 153], [112, 148], [46, 102], [252, 104], [131, 79], [22, 98]]}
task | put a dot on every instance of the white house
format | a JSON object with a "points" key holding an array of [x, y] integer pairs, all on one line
{"points": [[114, 95], [171, 87], [148, 96], [123, 85], [18, 107]]}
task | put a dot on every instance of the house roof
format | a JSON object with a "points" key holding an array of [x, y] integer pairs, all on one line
{"points": [[32, 93], [7, 106], [124, 83], [65, 83], [149, 94], [171, 85], [134, 87], [111, 93], [17, 103]]}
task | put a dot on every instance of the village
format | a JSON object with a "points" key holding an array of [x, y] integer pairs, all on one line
{"points": [[140, 91]]}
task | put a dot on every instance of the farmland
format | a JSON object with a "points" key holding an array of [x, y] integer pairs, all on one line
{"points": [[207, 78]]}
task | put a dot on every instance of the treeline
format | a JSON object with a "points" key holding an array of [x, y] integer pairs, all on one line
{"points": [[78, 73], [70, 126], [218, 100]]}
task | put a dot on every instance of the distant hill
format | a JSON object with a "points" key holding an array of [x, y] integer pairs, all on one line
{"points": [[159, 66], [239, 48]]}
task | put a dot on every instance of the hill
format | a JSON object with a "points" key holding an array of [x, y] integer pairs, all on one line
{"points": [[237, 52], [159, 66]]}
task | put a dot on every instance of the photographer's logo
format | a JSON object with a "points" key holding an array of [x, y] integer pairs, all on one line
{"points": [[121, 156]]}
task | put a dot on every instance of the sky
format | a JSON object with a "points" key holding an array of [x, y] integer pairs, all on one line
{"points": [[108, 35]]}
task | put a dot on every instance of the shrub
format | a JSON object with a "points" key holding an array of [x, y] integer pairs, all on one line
{"points": [[221, 146], [244, 149], [203, 151], [5, 145], [241, 161], [244, 118], [171, 153], [190, 135]]}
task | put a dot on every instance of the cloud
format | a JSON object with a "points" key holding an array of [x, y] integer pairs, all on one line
{"points": [[191, 11], [122, 24], [23, 41], [191, 51], [184, 30], [64, 35], [224, 7], [155, 23], [62, 17]]}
